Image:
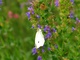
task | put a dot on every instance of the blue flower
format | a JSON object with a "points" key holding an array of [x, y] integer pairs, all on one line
{"points": [[54, 30], [32, 27], [43, 51], [0, 2], [48, 35], [49, 48], [28, 15], [32, 12], [72, 1], [71, 14], [31, 9], [77, 20], [73, 29], [39, 26], [46, 28], [56, 3], [37, 16], [39, 58], [34, 51]]}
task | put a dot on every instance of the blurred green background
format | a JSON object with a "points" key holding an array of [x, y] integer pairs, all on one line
{"points": [[16, 35]]}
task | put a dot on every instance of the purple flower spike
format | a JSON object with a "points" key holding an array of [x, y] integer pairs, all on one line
{"points": [[72, 1], [43, 51], [39, 26], [32, 27], [77, 19], [39, 58], [71, 15], [56, 3], [37, 16], [73, 29], [34, 51], [28, 15], [46, 28], [54, 30], [48, 35], [0, 2], [49, 48], [31, 9], [32, 12]]}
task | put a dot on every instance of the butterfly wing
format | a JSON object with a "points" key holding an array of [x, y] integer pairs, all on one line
{"points": [[39, 39]]}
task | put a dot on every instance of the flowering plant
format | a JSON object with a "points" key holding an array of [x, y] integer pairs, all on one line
{"points": [[59, 25], [56, 23]]}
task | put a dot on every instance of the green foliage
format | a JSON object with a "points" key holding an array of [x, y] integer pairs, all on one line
{"points": [[17, 35]]}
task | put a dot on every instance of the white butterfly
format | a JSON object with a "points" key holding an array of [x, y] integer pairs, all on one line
{"points": [[39, 39]]}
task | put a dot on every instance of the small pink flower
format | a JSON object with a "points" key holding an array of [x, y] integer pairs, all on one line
{"points": [[10, 14], [16, 16]]}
